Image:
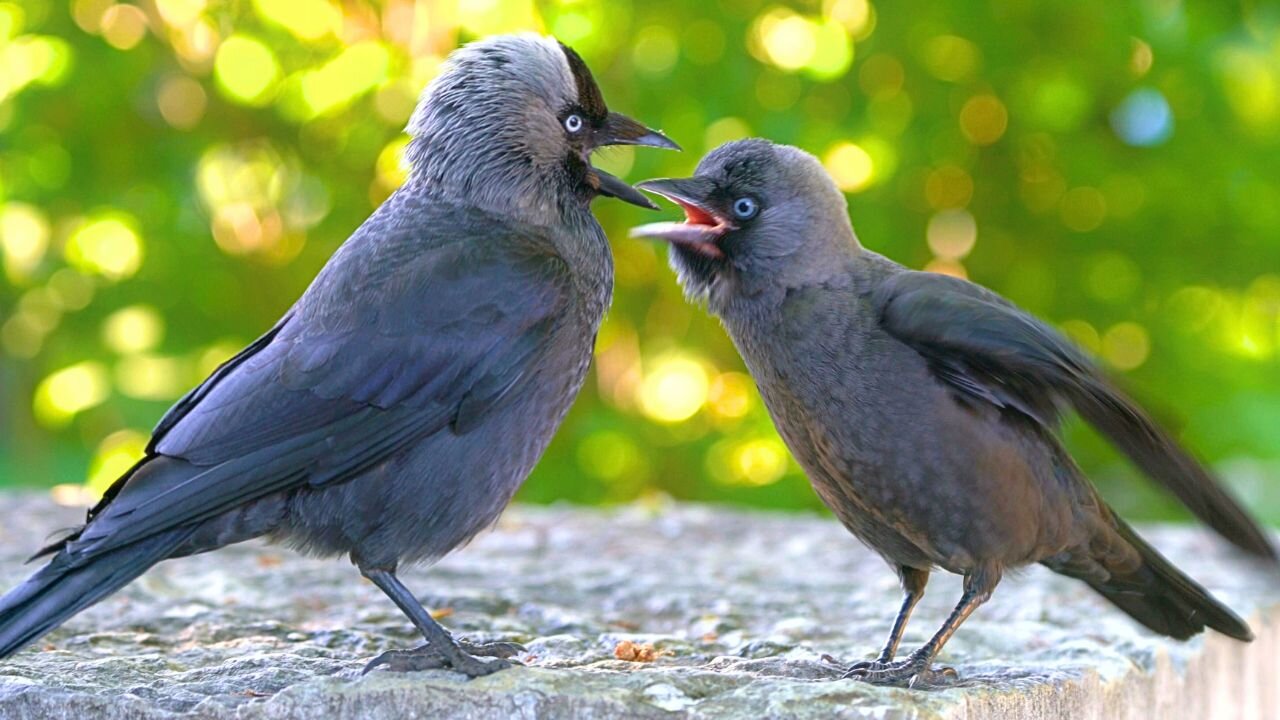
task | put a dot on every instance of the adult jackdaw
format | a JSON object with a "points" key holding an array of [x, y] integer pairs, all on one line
{"points": [[396, 407], [924, 408]]}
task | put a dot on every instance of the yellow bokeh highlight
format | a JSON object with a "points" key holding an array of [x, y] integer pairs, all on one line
{"points": [[951, 234], [793, 42], [113, 457], [655, 51], [1251, 80], [731, 395], [181, 101], [787, 39], [151, 377], [724, 130], [952, 58], [1125, 345], [1140, 57], [245, 70], [944, 266], [32, 59], [1083, 208], [948, 187], [71, 390], [180, 13], [309, 20], [609, 455], [11, 20], [857, 16], [134, 329], [107, 245], [850, 166], [760, 462], [24, 238], [88, 13], [391, 166], [252, 173], [354, 72], [983, 119], [123, 26], [1084, 335], [674, 389]]}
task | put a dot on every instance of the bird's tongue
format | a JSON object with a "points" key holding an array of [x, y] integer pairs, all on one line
{"points": [[700, 230]]}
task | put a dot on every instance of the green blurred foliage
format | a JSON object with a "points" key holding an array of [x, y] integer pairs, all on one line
{"points": [[174, 172]]}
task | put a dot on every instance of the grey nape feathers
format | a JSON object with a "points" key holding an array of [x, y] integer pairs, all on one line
{"points": [[395, 408], [925, 408]]}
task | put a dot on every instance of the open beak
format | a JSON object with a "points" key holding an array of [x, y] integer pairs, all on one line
{"points": [[622, 130], [703, 226]]}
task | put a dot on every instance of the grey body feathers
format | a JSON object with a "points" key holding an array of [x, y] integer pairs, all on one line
{"points": [[395, 409], [924, 408]]}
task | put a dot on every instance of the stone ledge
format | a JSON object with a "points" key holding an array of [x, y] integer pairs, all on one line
{"points": [[740, 607]]}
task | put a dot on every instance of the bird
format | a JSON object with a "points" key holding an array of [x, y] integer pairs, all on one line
{"points": [[396, 407], [925, 409]]}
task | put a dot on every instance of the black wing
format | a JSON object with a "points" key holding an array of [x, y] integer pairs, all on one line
{"points": [[989, 350], [398, 338]]}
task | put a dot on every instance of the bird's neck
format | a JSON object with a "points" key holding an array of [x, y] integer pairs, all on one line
{"points": [[490, 176]]}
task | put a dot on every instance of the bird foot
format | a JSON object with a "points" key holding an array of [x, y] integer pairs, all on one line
{"points": [[914, 672], [461, 658], [492, 649]]}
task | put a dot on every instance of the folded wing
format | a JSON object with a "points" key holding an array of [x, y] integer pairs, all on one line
{"points": [[987, 350], [400, 337]]}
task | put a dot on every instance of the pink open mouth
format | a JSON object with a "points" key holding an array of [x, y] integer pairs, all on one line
{"points": [[700, 231]]}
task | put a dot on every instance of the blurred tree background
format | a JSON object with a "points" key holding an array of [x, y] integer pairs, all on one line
{"points": [[174, 172]]}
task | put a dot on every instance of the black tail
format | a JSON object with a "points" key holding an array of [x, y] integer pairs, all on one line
{"points": [[1165, 461], [68, 585], [1163, 598]]}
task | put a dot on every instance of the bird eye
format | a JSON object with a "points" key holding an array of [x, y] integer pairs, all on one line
{"points": [[745, 208], [573, 123]]}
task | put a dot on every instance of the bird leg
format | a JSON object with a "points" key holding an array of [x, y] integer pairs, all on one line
{"points": [[917, 669], [440, 650], [913, 583]]}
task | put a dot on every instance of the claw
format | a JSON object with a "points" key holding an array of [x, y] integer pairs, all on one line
{"points": [[933, 677]]}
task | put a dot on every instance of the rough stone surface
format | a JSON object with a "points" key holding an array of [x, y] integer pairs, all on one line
{"points": [[741, 607]]}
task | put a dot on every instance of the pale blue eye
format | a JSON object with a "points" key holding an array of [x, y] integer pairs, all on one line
{"points": [[745, 208], [573, 123]]}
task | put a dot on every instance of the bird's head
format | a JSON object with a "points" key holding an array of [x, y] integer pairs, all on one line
{"points": [[510, 124], [756, 215]]}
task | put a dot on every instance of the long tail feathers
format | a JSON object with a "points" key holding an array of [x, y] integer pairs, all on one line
{"points": [[1163, 598], [1162, 459], [68, 585]]}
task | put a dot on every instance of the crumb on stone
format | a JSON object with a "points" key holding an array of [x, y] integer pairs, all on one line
{"points": [[637, 652]]}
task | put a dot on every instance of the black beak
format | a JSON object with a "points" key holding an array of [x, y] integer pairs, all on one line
{"points": [[621, 130], [703, 227], [610, 186], [695, 191]]}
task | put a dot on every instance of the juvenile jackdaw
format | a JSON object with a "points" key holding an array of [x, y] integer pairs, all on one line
{"points": [[396, 407], [924, 408]]}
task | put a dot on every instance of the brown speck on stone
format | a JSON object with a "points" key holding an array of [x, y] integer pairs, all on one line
{"points": [[636, 652]]}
